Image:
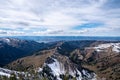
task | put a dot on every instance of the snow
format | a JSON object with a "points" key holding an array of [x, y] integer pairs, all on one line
{"points": [[7, 40], [80, 76], [86, 73], [58, 68], [7, 72], [40, 69], [91, 77], [4, 74], [115, 47]]}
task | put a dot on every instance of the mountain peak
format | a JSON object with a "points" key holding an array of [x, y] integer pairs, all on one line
{"points": [[57, 67]]}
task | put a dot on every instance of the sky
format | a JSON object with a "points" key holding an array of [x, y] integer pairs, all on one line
{"points": [[59, 17]]}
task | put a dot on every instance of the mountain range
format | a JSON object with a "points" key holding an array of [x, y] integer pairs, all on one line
{"points": [[60, 60]]}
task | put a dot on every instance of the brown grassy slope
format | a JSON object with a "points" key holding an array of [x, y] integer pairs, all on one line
{"points": [[104, 64], [34, 61]]}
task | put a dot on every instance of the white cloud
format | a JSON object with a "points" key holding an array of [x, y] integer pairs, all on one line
{"points": [[58, 17], [11, 33]]}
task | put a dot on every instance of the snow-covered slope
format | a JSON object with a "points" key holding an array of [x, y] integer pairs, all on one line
{"points": [[58, 68], [10, 73], [7, 72], [12, 49], [55, 69], [9, 40], [114, 46]]}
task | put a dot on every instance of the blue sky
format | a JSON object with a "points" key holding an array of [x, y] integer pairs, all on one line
{"points": [[88, 25], [59, 17]]}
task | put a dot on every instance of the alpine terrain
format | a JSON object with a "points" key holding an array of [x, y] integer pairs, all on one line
{"points": [[59, 60]]}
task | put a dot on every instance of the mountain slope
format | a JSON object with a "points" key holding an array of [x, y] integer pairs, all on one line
{"points": [[53, 66], [58, 67], [103, 59], [31, 62], [12, 49], [74, 60], [61, 47]]}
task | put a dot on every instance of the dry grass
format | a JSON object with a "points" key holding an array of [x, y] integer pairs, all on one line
{"points": [[34, 61]]}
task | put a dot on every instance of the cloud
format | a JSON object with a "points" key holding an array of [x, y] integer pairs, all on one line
{"points": [[3, 32], [11, 33], [60, 17]]}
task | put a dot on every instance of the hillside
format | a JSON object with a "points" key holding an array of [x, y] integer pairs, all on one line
{"points": [[100, 57], [12, 49]]}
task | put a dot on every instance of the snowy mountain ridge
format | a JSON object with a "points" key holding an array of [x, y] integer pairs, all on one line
{"points": [[67, 60], [56, 68], [7, 72], [115, 47], [8, 40]]}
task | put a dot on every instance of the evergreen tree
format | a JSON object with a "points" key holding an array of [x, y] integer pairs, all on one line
{"points": [[13, 77], [44, 78], [66, 77], [74, 78]]}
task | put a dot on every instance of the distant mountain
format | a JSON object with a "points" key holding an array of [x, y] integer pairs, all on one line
{"points": [[38, 58], [65, 38], [72, 60], [12, 49], [53, 66], [103, 59]]}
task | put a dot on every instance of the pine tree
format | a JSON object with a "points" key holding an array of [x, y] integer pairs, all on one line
{"points": [[13, 77], [66, 77], [74, 78], [44, 78], [4, 78]]}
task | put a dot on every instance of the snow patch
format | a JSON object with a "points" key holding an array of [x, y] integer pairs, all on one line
{"points": [[7, 40], [4, 74], [40, 69], [115, 47], [58, 69], [7, 72]]}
